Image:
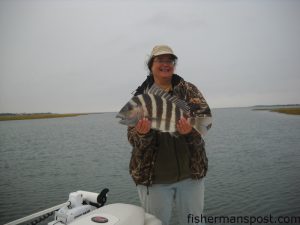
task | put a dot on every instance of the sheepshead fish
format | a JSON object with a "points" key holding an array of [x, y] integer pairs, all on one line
{"points": [[163, 110]]}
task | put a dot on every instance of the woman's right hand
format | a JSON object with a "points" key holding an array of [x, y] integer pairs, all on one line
{"points": [[143, 126]]}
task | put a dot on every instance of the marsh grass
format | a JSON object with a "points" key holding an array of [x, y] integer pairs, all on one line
{"points": [[37, 116], [290, 111]]}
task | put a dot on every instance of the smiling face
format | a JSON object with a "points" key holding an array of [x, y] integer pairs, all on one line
{"points": [[163, 67]]}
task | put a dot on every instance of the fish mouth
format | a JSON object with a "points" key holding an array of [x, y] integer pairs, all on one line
{"points": [[123, 121], [119, 115], [122, 118], [128, 121]]}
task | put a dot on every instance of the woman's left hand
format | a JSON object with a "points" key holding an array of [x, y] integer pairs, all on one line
{"points": [[183, 126]]}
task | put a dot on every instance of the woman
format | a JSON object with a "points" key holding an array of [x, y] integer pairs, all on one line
{"points": [[165, 167]]}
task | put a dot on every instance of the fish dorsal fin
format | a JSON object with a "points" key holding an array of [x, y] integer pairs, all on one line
{"points": [[161, 93]]}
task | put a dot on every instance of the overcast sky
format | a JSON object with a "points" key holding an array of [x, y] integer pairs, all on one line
{"points": [[88, 56]]}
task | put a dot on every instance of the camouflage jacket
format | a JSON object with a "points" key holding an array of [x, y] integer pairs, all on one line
{"points": [[145, 147]]}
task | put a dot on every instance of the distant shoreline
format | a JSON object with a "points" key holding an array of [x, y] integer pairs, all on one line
{"points": [[277, 106], [7, 117], [286, 110]]}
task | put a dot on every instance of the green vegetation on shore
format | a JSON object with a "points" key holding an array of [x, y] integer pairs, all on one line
{"points": [[4, 117], [290, 111]]}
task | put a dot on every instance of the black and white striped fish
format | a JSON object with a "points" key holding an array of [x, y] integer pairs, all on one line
{"points": [[163, 110]]}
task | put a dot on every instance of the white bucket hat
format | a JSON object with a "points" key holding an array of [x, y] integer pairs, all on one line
{"points": [[162, 50]]}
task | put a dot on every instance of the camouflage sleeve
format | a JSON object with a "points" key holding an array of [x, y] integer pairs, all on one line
{"points": [[138, 141], [196, 101], [196, 144], [198, 158], [194, 139]]}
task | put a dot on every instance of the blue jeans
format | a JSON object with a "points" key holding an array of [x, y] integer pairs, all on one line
{"points": [[188, 196]]}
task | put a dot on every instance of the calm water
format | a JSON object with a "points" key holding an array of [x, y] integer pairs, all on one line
{"points": [[253, 156]]}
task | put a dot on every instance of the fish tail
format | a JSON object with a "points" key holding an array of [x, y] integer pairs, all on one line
{"points": [[201, 124]]}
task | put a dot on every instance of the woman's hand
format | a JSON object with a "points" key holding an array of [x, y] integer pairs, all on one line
{"points": [[183, 126], [143, 126]]}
